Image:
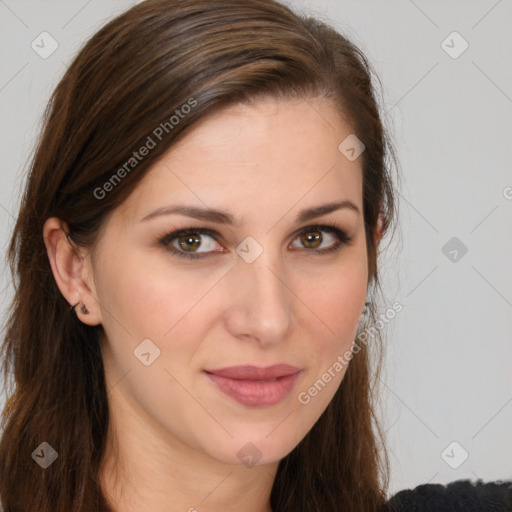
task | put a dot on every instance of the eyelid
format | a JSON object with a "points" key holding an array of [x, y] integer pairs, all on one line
{"points": [[167, 238]]}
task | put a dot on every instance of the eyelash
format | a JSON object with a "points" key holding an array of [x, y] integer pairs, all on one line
{"points": [[333, 228]]}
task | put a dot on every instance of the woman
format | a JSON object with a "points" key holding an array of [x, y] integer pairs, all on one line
{"points": [[196, 265]]}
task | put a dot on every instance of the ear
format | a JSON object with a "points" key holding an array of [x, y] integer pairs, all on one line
{"points": [[379, 229], [72, 270]]}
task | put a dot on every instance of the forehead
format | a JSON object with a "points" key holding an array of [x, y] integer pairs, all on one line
{"points": [[267, 156]]}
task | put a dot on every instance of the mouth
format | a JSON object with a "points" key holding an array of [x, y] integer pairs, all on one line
{"points": [[255, 386]]}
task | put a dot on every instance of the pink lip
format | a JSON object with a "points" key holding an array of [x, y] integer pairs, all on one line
{"points": [[256, 386]]}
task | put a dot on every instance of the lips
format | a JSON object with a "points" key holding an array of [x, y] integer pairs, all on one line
{"points": [[249, 372], [255, 386]]}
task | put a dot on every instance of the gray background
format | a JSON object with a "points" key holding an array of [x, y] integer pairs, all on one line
{"points": [[447, 371]]}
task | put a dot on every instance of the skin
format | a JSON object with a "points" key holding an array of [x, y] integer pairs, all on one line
{"points": [[175, 434]]}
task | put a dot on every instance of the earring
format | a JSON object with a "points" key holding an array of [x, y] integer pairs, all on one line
{"points": [[366, 309], [83, 308]]}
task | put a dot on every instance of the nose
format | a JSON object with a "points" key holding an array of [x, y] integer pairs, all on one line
{"points": [[260, 301]]}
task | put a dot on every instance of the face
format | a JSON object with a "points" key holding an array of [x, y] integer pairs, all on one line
{"points": [[278, 284]]}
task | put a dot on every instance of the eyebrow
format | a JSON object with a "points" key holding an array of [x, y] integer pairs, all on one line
{"points": [[223, 217]]}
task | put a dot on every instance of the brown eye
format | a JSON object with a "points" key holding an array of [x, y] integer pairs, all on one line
{"points": [[311, 239], [189, 241]]}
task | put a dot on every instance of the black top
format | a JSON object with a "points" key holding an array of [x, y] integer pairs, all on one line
{"points": [[460, 495]]}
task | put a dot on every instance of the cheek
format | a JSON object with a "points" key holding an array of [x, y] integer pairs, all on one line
{"points": [[149, 295], [337, 301], [337, 298]]}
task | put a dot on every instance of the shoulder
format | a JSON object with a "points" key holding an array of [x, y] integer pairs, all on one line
{"points": [[460, 495]]}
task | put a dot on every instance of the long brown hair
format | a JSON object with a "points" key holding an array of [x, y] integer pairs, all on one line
{"points": [[128, 79]]}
